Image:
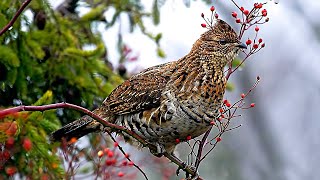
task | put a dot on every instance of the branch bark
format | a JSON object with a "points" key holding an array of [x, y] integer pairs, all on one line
{"points": [[15, 17], [172, 158]]}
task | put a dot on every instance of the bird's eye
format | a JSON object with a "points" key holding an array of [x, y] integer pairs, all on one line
{"points": [[222, 42]]}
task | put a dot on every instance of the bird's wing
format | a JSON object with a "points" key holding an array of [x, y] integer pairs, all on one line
{"points": [[140, 92]]}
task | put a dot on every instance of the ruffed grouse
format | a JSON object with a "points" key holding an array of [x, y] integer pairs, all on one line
{"points": [[172, 100]]}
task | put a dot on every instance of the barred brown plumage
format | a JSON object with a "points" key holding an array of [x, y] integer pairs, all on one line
{"points": [[170, 101]]}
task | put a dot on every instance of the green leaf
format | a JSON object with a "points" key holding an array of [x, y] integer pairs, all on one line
{"points": [[155, 13], [12, 76], [9, 57], [161, 53], [94, 15], [230, 86], [236, 62], [158, 38], [45, 99], [3, 20]]}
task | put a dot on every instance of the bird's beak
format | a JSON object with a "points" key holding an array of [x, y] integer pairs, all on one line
{"points": [[242, 45]]}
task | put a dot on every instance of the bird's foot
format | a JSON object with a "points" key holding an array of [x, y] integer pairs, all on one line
{"points": [[187, 168], [191, 171]]}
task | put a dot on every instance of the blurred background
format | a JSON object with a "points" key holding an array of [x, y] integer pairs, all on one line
{"points": [[279, 138]]}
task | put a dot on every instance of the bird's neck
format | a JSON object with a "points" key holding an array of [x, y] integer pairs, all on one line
{"points": [[208, 56], [198, 70], [203, 61]]}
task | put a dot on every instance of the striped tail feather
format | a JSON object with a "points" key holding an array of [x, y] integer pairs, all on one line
{"points": [[76, 129]]}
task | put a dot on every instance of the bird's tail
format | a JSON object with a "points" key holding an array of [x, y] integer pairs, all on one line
{"points": [[76, 129]]}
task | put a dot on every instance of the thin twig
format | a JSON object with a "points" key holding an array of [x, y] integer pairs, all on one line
{"points": [[128, 158], [15, 17], [202, 143]]}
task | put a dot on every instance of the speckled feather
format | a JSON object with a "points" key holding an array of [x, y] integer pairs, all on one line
{"points": [[171, 100]]}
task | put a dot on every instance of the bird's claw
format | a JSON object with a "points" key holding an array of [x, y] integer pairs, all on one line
{"points": [[185, 167]]}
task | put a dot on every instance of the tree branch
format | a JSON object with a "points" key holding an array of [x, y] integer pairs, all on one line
{"points": [[15, 17], [13, 110]]}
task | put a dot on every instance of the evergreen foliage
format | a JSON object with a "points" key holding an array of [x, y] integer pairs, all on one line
{"points": [[55, 55]]}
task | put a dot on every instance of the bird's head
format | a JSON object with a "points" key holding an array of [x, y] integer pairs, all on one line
{"points": [[220, 42]]}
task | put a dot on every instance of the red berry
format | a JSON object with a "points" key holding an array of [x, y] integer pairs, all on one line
{"points": [[124, 163], [238, 20], [202, 15], [188, 138], [264, 12], [228, 104], [73, 140], [44, 177], [221, 110], [212, 123], [116, 144], [120, 174], [27, 144], [177, 140], [212, 8], [225, 101], [252, 105], [10, 142], [246, 12], [222, 116], [203, 25], [130, 163], [110, 154], [248, 42], [106, 150], [260, 40], [108, 162], [263, 45], [10, 170], [242, 9], [257, 5], [218, 139], [243, 95], [127, 155], [234, 14], [255, 46], [216, 15], [6, 154], [257, 28]]}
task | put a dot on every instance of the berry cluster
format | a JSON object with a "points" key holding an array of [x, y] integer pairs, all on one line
{"points": [[109, 162], [12, 146], [248, 19], [209, 22], [109, 159]]}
